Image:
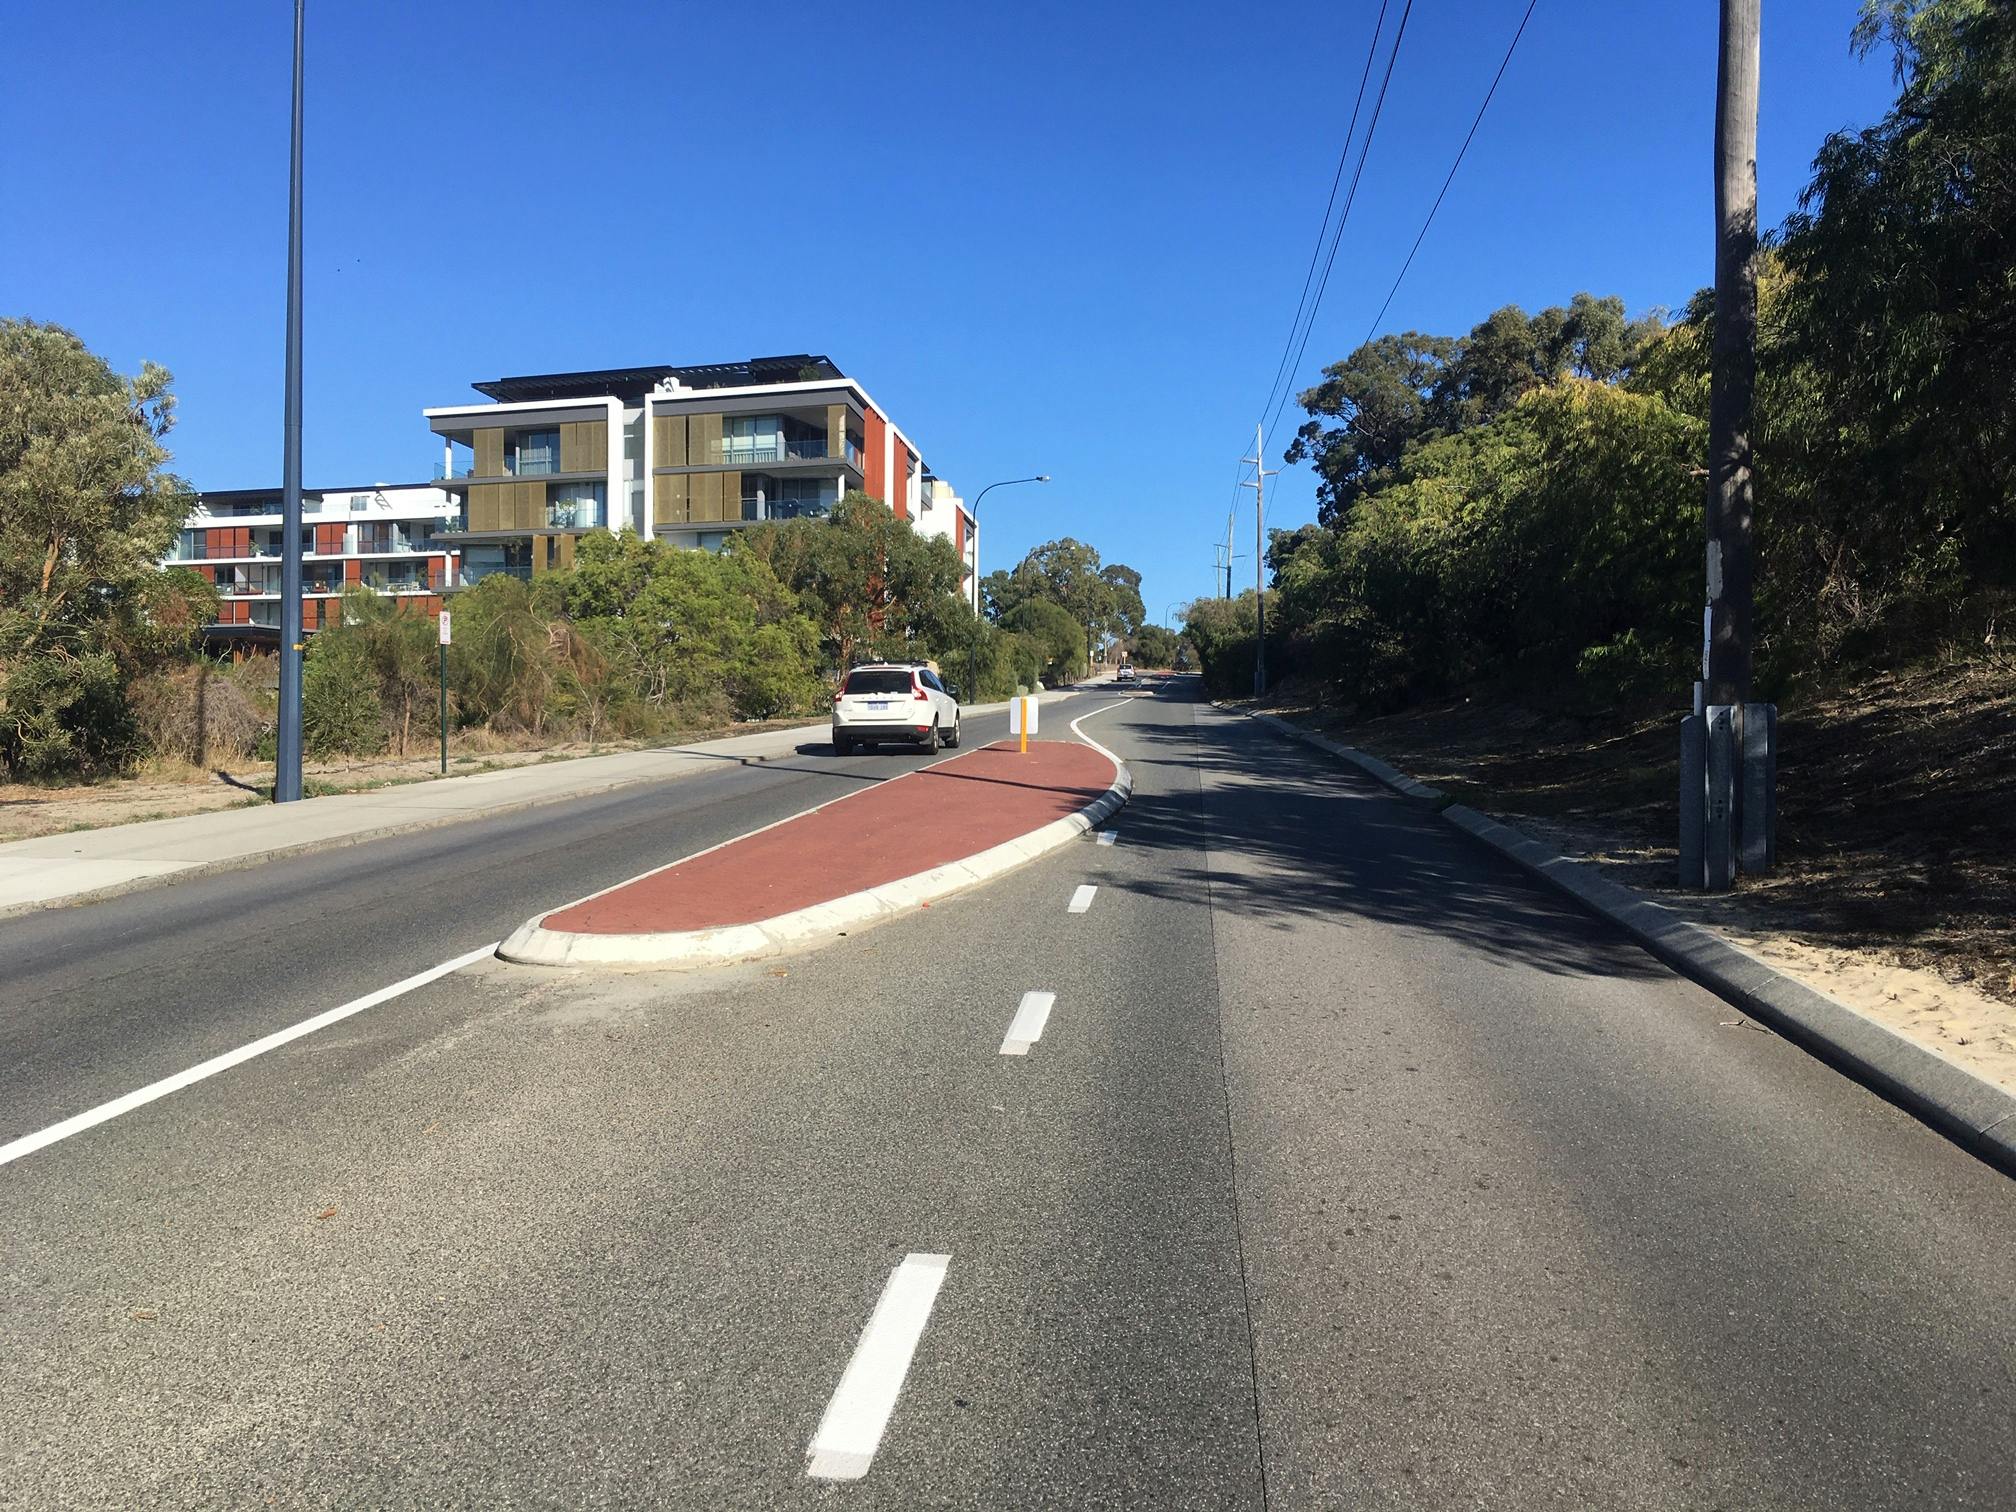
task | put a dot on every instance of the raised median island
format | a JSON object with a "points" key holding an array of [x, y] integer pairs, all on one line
{"points": [[890, 846]]}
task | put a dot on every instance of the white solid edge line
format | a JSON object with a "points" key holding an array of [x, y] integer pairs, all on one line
{"points": [[1117, 703], [851, 1430], [28, 1144], [1082, 898], [1027, 1025]]}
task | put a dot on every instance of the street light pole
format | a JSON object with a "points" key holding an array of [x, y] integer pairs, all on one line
{"points": [[973, 645], [287, 739]]}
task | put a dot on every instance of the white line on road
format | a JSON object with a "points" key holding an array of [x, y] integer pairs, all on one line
{"points": [[1027, 1027], [1081, 899], [1088, 714], [1107, 837], [851, 1430], [28, 1144]]}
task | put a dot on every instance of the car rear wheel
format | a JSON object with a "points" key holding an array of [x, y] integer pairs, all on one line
{"points": [[952, 740], [842, 746], [931, 741]]}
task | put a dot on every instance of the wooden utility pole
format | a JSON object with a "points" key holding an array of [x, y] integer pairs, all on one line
{"points": [[1261, 473], [1733, 374]]}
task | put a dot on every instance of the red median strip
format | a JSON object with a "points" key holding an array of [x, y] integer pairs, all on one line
{"points": [[890, 831]]}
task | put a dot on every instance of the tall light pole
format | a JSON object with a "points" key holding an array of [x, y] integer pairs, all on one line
{"points": [[1258, 483], [287, 740], [973, 645]]}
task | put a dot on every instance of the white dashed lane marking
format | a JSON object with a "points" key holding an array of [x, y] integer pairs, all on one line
{"points": [[851, 1431], [1081, 900], [1027, 1027]]}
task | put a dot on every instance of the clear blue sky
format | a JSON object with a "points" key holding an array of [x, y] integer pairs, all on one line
{"points": [[1061, 237]]}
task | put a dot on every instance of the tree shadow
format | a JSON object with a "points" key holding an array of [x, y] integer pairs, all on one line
{"points": [[1293, 838]]}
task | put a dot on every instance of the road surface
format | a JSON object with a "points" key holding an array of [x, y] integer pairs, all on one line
{"points": [[1348, 1169]]}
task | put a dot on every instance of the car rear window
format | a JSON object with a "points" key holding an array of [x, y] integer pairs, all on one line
{"points": [[888, 680]]}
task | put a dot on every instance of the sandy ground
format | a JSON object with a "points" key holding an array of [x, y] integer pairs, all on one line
{"points": [[1958, 1020], [27, 809]]}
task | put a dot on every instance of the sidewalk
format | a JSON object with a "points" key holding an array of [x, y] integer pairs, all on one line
{"points": [[885, 849], [54, 869]]}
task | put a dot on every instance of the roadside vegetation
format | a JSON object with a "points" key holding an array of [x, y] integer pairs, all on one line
{"points": [[1503, 591], [102, 673], [1521, 505]]}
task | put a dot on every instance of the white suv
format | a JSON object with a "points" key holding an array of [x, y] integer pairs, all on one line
{"points": [[887, 701]]}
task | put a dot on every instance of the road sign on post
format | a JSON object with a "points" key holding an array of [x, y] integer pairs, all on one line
{"points": [[444, 692], [1022, 719]]}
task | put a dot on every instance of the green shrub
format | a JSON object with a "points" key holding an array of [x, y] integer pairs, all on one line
{"points": [[341, 711]]}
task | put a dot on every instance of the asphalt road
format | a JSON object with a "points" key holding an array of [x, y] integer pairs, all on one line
{"points": [[1350, 1169]]}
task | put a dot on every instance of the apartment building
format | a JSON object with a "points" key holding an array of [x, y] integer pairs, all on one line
{"points": [[684, 454], [392, 538], [941, 512]]}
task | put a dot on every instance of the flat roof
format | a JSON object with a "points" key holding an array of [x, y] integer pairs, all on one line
{"points": [[245, 495], [636, 382]]}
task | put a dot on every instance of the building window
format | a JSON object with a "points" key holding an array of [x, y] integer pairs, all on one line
{"points": [[534, 454], [513, 558], [577, 506]]}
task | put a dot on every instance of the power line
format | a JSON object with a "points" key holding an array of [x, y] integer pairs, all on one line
{"points": [[1364, 150], [1531, 4], [1323, 227]]}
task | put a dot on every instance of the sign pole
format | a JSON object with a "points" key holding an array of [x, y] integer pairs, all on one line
{"points": [[444, 692]]}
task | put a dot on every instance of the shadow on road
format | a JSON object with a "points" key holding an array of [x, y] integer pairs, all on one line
{"points": [[1296, 837]]}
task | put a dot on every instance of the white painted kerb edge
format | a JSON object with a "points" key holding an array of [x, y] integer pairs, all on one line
{"points": [[533, 945]]}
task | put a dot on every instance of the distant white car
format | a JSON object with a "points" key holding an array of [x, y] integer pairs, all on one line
{"points": [[1125, 674], [888, 702]]}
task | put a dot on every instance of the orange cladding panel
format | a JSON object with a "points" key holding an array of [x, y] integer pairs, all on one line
{"points": [[872, 437]]}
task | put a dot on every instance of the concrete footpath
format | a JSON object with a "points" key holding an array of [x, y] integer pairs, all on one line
{"points": [[89, 864], [868, 856]]}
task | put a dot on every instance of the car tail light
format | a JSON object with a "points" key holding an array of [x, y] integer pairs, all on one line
{"points": [[836, 698], [920, 696]]}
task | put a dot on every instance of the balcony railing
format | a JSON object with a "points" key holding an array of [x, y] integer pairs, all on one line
{"points": [[576, 514], [809, 449], [784, 509]]}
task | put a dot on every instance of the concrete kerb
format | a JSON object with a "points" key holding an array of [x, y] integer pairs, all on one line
{"points": [[1977, 1115], [532, 945]]}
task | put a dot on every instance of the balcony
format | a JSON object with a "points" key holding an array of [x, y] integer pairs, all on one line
{"points": [[739, 453]]}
